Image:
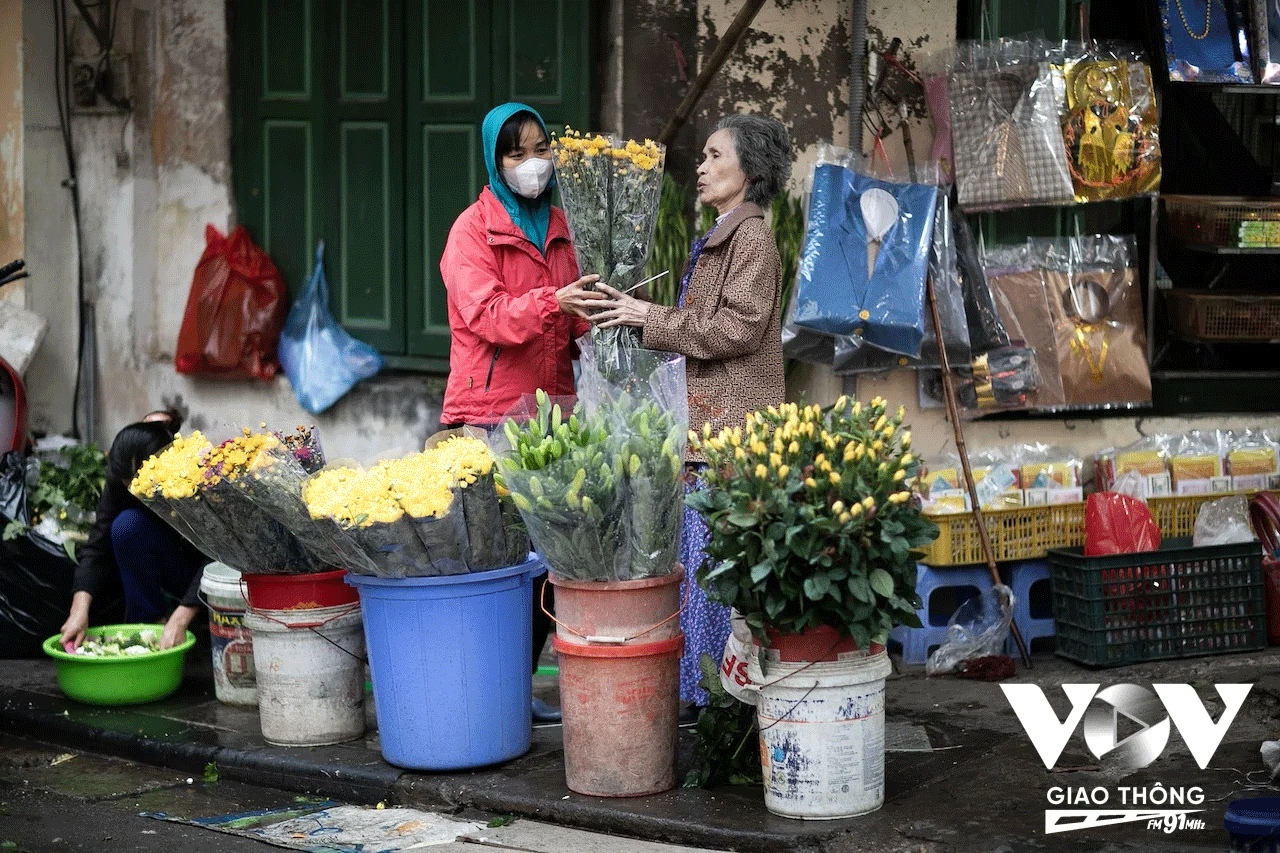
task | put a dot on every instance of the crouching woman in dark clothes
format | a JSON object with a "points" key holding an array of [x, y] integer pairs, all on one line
{"points": [[158, 569]]}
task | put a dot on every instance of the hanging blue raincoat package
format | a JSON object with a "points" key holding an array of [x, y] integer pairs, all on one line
{"points": [[322, 361], [865, 257]]}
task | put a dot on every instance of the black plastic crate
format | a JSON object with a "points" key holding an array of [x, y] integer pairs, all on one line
{"points": [[1177, 602]]}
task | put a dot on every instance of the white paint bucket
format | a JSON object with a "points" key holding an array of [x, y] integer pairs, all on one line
{"points": [[821, 734], [310, 668], [234, 681]]}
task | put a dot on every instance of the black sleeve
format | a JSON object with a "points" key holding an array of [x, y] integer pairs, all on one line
{"points": [[95, 560], [192, 596]]}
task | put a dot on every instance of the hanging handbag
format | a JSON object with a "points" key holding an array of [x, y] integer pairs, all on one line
{"points": [[1204, 41], [1006, 138], [1096, 310]]}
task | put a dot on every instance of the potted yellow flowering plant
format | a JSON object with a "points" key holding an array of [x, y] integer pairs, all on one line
{"points": [[814, 525]]}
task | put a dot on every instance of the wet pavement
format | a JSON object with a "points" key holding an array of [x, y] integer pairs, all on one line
{"points": [[961, 773]]}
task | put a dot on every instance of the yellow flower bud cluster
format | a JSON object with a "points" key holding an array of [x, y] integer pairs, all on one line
{"points": [[176, 472], [645, 156], [849, 461]]}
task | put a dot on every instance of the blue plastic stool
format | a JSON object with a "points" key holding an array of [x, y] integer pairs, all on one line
{"points": [[962, 582], [1024, 577]]}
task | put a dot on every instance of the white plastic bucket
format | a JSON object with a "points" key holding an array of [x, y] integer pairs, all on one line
{"points": [[310, 667], [234, 681], [821, 734]]}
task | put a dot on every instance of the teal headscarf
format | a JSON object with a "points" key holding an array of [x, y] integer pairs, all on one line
{"points": [[530, 215]]}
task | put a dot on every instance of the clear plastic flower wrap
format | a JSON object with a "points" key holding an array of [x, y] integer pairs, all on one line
{"points": [[599, 487], [645, 409], [564, 478], [610, 190], [274, 483]]}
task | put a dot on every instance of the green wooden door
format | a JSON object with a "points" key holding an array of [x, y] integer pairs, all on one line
{"points": [[360, 126]]}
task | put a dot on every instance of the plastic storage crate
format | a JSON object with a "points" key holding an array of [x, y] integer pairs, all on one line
{"points": [[1224, 316], [1015, 534], [1177, 602], [1026, 533], [1214, 220]]}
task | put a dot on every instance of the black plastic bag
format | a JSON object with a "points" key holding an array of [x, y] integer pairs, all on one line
{"points": [[36, 575], [986, 332]]}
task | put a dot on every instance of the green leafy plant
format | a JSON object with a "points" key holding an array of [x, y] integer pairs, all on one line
{"points": [[501, 820], [813, 519], [64, 497], [211, 772], [787, 220], [670, 242], [727, 750]]}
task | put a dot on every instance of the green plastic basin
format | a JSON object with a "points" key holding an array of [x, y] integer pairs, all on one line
{"points": [[125, 680]]}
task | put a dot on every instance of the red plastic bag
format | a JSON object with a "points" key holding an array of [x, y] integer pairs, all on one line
{"points": [[1264, 512], [1118, 524], [235, 311]]}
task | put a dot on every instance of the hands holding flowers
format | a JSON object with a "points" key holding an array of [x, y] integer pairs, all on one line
{"points": [[603, 305]]}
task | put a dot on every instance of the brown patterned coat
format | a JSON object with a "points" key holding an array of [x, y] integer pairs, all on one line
{"points": [[730, 328]]}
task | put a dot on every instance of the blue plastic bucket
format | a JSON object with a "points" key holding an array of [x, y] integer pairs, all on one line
{"points": [[1254, 825], [449, 657]]}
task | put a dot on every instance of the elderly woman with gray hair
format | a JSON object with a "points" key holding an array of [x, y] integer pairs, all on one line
{"points": [[727, 323]]}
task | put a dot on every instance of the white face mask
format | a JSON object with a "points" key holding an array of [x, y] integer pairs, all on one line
{"points": [[530, 178]]}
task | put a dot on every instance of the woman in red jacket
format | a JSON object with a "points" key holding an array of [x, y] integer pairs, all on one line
{"points": [[506, 265]]}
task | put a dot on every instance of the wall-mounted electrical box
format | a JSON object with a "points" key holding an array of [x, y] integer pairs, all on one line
{"points": [[99, 84]]}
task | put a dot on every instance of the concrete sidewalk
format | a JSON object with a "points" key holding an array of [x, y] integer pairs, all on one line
{"points": [[961, 773]]}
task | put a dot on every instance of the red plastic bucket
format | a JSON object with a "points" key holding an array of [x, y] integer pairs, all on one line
{"points": [[620, 705], [819, 643], [298, 592], [631, 612]]}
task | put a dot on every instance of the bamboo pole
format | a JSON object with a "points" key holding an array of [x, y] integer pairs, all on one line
{"points": [[723, 47], [953, 414]]}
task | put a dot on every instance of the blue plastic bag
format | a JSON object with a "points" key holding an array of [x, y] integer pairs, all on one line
{"points": [[322, 361]]}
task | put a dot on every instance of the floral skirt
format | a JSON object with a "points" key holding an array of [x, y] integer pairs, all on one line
{"points": [[705, 623]]}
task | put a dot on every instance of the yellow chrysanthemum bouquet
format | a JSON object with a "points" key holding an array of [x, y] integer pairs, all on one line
{"points": [[610, 191], [264, 503], [192, 484], [431, 513]]}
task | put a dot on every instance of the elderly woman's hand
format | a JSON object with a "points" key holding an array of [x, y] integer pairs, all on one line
{"points": [[575, 298], [619, 309]]}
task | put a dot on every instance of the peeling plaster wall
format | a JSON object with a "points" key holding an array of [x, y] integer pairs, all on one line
{"points": [[792, 63], [50, 235], [12, 182], [150, 181]]}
